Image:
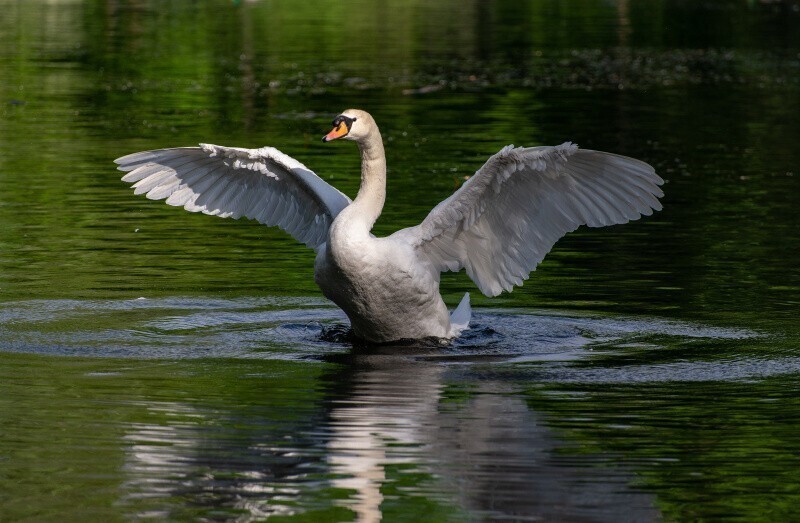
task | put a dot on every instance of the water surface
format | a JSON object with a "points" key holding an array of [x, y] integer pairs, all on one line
{"points": [[156, 364]]}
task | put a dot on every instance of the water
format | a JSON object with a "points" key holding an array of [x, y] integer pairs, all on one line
{"points": [[157, 364]]}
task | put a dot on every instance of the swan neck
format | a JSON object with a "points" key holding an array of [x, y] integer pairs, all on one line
{"points": [[372, 193]]}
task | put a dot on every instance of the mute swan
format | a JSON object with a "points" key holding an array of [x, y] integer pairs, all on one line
{"points": [[498, 225]]}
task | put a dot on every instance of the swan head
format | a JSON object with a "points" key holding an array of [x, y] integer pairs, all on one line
{"points": [[352, 124]]}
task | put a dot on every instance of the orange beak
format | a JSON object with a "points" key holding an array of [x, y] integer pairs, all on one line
{"points": [[337, 132]]}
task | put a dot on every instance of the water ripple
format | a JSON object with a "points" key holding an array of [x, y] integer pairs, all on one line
{"points": [[544, 345]]}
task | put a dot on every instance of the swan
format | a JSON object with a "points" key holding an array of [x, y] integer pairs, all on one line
{"points": [[497, 226]]}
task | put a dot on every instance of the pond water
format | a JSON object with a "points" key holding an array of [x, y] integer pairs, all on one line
{"points": [[156, 364]]}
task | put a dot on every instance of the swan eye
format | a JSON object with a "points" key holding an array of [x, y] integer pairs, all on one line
{"points": [[343, 119]]}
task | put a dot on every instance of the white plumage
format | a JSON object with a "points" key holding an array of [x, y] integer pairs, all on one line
{"points": [[498, 226], [261, 184]]}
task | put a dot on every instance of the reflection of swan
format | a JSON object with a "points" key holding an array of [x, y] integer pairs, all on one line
{"points": [[478, 449], [498, 225], [390, 433], [387, 411]]}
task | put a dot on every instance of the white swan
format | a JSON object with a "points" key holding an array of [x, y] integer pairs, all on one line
{"points": [[498, 225]]}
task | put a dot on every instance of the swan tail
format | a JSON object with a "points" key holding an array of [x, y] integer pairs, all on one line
{"points": [[459, 319]]}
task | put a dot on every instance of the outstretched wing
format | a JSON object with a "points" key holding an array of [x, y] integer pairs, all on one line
{"points": [[502, 222], [261, 184]]}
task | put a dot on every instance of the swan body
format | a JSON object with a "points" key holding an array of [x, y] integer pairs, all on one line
{"points": [[498, 226]]}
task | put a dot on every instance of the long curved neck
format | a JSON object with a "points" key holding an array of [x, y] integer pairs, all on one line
{"points": [[372, 193]]}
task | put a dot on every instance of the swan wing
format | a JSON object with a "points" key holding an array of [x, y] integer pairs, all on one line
{"points": [[261, 184], [502, 221]]}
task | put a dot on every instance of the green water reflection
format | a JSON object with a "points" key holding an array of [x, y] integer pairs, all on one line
{"points": [[707, 92]]}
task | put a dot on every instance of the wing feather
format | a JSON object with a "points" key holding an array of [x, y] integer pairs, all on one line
{"points": [[261, 184], [503, 221]]}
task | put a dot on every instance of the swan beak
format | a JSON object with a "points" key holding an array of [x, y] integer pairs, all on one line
{"points": [[337, 132]]}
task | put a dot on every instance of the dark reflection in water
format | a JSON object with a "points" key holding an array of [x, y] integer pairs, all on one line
{"points": [[391, 429], [246, 411], [488, 449]]}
